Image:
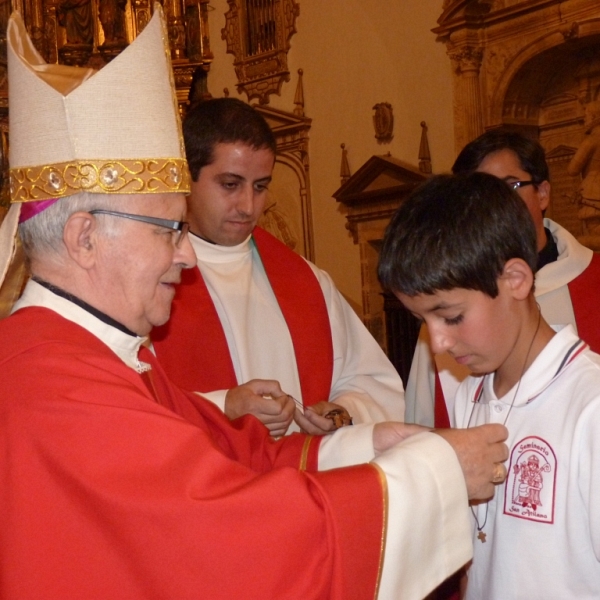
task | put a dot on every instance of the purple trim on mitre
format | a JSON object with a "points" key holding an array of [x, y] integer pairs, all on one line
{"points": [[30, 209]]}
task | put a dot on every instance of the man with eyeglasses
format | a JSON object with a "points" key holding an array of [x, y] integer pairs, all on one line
{"points": [[567, 282]]}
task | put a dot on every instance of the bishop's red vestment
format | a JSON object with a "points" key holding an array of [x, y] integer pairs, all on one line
{"points": [[107, 493]]}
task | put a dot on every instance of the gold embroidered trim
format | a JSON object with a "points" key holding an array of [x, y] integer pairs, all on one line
{"points": [[384, 491], [132, 176], [305, 449]]}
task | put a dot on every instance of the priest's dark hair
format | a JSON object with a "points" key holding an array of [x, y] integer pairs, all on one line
{"points": [[456, 231], [529, 152], [222, 121]]}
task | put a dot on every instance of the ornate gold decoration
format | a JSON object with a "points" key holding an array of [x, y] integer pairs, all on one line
{"points": [[61, 36], [92, 32], [99, 176], [258, 33]]}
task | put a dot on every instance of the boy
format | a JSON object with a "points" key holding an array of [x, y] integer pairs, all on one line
{"points": [[460, 254]]}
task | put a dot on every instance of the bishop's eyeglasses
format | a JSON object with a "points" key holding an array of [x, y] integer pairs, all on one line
{"points": [[180, 228]]}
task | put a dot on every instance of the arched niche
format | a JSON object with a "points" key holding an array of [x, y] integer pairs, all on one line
{"points": [[544, 98], [532, 67]]}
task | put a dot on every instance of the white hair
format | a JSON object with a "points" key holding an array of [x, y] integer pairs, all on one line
{"points": [[43, 233]]}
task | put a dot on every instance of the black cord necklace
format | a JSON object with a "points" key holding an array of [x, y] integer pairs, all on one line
{"points": [[481, 535]]}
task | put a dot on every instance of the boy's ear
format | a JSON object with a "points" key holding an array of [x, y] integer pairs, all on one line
{"points": [[80, 239], [517, 275]]}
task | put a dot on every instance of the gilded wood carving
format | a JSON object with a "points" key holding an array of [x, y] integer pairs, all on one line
{"points": [[258, 34]]}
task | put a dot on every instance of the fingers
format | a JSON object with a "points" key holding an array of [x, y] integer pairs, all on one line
{"points": [[499, 474], [481, 452], [494, 432], [252, 398], [277, 410], [265, 387], [322, 408], [265, 399], [312, 423]]}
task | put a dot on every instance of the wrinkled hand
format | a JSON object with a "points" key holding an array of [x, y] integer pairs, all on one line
{"points": [[314, 421], [390, 433], [265, 400], [481, 452]]}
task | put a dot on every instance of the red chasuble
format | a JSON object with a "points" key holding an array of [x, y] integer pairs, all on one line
{"points": [[584, 291], [192, 346], [111, 488]]}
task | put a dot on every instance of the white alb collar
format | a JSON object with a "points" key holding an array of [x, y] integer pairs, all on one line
{"points": [[125, 346], [213, 253]]}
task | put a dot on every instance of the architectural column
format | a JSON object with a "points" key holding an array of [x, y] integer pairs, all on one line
{"points": [[467, 89]]}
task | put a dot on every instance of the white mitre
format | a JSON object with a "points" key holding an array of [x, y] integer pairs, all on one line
{"points": [[72, 129]]}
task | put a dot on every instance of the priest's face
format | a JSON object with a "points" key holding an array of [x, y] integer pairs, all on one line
{"points": [[140, 263], [230, 194]]}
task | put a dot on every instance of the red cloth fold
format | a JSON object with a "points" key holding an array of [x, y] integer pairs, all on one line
{"points": [[109, 492]]}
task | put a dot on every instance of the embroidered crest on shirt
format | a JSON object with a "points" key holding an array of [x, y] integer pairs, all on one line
{"points": [[531, 480]]}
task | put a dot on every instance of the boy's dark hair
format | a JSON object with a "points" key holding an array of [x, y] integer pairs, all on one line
{"points": [[531, 154], [222, 121], [456, 231]]}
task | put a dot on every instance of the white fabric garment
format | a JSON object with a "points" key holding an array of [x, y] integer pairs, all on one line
{"points": [[364, 381], [543, 525], [551, 293], [125, 346], [434, 505]]}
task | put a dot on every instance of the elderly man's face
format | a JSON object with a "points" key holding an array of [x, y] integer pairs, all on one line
{"points": [[141, 264]]}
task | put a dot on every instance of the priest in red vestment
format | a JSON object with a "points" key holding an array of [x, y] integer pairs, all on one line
{"points": [[115, 483], [254, 308]]}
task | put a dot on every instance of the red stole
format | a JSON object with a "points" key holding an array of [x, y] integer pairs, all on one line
{"points": [[584, 291], [192, 347], [440, 410]]}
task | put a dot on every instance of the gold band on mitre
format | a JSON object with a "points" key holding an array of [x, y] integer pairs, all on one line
{"points": [[131, 176]]}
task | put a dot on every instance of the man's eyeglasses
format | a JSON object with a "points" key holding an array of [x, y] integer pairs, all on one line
{"points": [[180, 228], [515, 185]]}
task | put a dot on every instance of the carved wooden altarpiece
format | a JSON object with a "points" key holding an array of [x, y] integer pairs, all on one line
{"points": [[258, 34], [531, 66]]}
